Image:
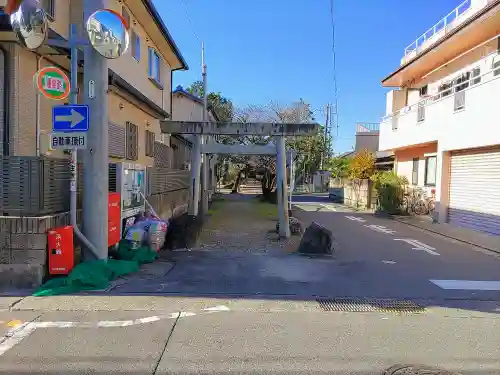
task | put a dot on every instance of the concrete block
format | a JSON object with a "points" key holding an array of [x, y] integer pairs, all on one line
{"points": [[28, 241], [26, 256], [21, 275]]}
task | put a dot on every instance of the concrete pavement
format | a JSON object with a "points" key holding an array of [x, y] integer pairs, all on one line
{"points": [[256, 311]]}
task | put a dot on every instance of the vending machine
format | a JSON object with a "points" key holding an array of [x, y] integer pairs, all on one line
{"points": [[131, 185]]}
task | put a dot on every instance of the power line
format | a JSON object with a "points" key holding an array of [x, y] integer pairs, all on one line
{"points": [[189, 21], [334, 115]]}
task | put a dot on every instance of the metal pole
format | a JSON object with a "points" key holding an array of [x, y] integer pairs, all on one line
{"points": [[73, 154], [38, 109], [195, 176], [73, 99], [95, 192], [282, 188], [205, 165]]}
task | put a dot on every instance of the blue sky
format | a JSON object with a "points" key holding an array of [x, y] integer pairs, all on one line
{"points": [[263, 50]]}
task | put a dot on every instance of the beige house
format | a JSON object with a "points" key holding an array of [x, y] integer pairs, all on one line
{"points": [[140, 83], [442, 115], [188, 107]]}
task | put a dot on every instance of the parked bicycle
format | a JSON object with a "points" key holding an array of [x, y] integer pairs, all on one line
{"points": [[415, 202]]}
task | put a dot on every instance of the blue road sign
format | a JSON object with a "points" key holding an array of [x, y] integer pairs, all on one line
{"points": [[70, 118]]}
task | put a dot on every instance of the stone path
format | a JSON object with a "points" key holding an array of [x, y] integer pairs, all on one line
{"points": [[242, 222]]}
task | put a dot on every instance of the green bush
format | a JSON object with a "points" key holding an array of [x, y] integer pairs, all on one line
{"points": [[389, 188]]}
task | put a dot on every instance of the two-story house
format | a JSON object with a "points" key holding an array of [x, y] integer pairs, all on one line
{"points": [[188, 107], [441, 115], [140, 83]]}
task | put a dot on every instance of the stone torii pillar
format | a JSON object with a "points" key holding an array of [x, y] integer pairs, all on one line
{"points": [[277, 130]]}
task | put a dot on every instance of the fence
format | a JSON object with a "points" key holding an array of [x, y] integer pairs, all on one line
{"points": [[38, 186]]}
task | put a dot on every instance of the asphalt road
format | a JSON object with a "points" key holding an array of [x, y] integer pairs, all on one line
{"points": [[251, 312]]}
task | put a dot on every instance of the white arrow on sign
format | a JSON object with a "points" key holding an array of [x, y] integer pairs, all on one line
{"points": [[380, 228], [75, 118], [354, 218], [417, 245]]}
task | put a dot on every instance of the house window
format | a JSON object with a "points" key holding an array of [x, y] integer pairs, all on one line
{"points": [[496, 66], [150, 143], [462, 82], [49, 7], [423, 90], [136, 46], [414, 172], [445, 89], [154, 65], [476, 75], [430, 170], [132, 142], [126, 15]]}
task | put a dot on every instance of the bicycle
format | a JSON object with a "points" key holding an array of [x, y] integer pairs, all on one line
{"points": [[415, 202]]}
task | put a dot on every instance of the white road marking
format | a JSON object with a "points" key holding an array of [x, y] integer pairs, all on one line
{"points": [[380, 228], [330, 208], [467, 284], [388, 262], [417, 245], [354, 218], [15, 335]]}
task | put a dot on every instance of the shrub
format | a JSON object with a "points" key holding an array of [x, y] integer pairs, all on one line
{"points": [[389, 188]]}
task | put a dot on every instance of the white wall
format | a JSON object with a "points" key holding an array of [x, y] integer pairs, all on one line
{"points": [[474, 126]]}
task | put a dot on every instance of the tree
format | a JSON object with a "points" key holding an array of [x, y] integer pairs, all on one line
{"points": [[222, 106], [361, 167], [339, 167]]}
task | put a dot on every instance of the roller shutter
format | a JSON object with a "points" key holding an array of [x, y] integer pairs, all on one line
{"points": [[475, 190]]}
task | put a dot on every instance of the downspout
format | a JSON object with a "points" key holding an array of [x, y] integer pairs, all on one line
{"points": [[6, 102], [37, 108]]}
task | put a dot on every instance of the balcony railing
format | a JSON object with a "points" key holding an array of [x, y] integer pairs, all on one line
{"points": [[444, 26], [367, 127], [457, 89]]}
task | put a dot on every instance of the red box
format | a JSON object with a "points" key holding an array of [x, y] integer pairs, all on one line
{"points": [[114, 235], [114, 208], [61, 250]]}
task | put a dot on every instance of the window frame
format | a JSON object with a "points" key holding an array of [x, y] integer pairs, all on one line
{"points": [[414, 171], [150, 139], [49, 6], [126, 15], [154, 57], [136, 46], [427, 158]]}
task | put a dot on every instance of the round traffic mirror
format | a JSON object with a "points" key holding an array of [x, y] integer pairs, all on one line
{"points": [[108, 33], [30, 24]]}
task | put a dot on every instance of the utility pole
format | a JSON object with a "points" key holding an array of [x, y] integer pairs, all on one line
{"points": [[205, 166], [95, 192]]}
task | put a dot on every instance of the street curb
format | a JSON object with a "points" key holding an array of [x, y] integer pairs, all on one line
{"points": [[441, 234]]}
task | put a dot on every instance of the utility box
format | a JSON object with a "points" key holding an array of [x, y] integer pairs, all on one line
{"points": [[61, 250], [114, 219]]}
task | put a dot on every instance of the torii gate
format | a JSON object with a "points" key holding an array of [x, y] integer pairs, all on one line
{"points": [[280, 131]]}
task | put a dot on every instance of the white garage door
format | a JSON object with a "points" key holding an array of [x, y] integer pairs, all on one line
{"points": [[475, 190]]}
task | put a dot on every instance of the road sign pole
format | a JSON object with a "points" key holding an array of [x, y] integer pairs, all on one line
{"points": [[74, 152], [95, 192]]}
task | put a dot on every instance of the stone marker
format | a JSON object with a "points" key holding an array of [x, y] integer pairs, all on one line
{"points": [[316, 240]]}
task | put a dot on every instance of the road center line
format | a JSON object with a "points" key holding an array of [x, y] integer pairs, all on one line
{"points": [[15, 335]]}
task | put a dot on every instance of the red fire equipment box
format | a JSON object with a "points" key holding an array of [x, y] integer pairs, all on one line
{"points": [[61, 250], [114, 219]]}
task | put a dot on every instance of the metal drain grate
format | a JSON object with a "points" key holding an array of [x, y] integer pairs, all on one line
{"points": [[369, 305]]}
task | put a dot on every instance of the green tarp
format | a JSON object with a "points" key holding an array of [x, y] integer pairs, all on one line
{"points": [[96, 275]]}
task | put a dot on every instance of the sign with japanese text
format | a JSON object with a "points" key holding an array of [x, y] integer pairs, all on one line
{"points": [[67, 141], [52, 83]]}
